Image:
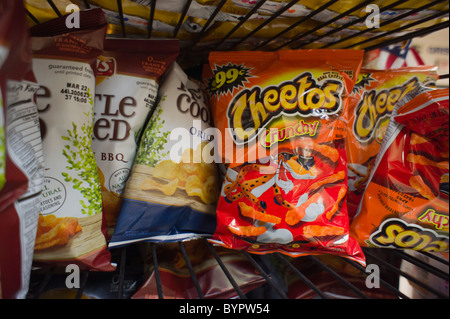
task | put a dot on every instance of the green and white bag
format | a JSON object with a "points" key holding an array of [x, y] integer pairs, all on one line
{"points": [[71, 226], [128, 75]]}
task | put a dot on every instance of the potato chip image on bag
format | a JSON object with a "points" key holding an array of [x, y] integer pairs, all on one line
{"points": [[173, 187], [64, 63]]}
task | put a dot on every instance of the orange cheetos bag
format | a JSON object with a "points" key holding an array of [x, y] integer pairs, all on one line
{"points": [[281, 137], [405, 204], [371, 103]]}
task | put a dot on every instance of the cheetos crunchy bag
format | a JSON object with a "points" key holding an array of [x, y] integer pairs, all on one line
{"points": [[405, 204], [282, 140], [370, 105]]}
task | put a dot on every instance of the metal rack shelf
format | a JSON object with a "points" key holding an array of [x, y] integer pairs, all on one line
{"points": [[301, 40], [278, 271]]}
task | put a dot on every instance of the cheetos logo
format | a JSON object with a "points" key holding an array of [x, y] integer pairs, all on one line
{"points": [[253, 108], [375, 105]]}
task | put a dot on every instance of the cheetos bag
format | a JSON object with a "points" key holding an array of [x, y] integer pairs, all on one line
{"points": [[371, 103], [405, 204], [282, 139]]}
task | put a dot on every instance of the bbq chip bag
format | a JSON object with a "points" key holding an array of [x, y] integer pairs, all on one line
{"points": [[70, 228], [405, 204], [128, 75], [283, 139], [173, 187]]}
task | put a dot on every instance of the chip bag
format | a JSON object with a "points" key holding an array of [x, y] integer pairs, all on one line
{"points": [[173, 187], [2, 145], [175, 273], [127, 81], [4, 51], [71, 225], [405, 204], [21, 164], [281, 135], [371, 103]]}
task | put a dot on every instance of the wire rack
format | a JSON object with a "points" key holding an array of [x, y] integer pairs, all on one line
{"points": [[397, 34], [280, 273]]}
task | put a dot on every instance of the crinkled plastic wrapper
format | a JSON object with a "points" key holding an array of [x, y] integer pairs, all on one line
{"points": [[21, 171], [371, 103], [172, 191], [405, 204], [175, 276], [71, 226], [127, 82], [282, 139]]}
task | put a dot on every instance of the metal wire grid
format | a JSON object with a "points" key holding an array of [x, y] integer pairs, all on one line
{"points": [[390, 274], [299, 41], [261, 264], [279, 290]]}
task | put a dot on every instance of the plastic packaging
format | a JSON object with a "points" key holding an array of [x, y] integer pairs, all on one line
{"points": [[282, 138], [127, 83], [175, 276], [371, 103], [405, 204], [71, 226], [21, 165], [173, 187]]}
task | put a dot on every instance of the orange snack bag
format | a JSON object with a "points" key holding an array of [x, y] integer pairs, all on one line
{"points": [[405, 205], [371, 103], [282, 139]]}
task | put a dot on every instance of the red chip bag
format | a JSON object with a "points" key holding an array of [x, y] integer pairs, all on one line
{"points": [[281, 136], [21, 166], [405, 205], [175, 275]]}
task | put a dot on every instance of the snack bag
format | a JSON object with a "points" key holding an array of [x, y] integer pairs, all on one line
{"points": [[3, 54], [127, 79], [405, 204], [175, 274], [21, 165], [71, 227], [2, 145], [278, 114], [371, 103], [173, 187]]}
